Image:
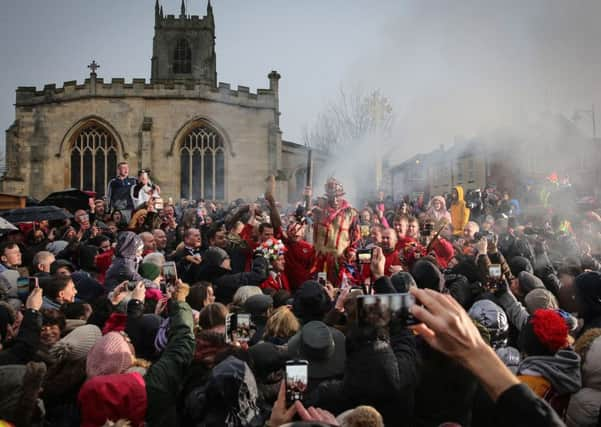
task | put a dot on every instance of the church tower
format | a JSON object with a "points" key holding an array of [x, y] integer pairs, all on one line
{"points": [[183, 47]]}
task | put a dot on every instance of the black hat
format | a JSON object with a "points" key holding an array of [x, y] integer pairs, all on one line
{"points": [[60, 263], [266, 358], [311, 301], [528, 282], [322, 346], [517, 264], [427, 275], [214, 256], [588, 293], [258, 304], [402, 281]]}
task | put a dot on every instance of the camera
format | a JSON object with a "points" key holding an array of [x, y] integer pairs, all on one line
{"points": [[364, 256], [485, 234]]}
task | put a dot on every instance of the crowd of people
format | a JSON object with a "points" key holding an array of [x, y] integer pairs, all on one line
{"points": [[96, 329]]}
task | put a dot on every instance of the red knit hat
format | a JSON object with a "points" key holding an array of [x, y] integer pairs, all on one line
{"points": [[116, 322], [113, 397], [112, 354], [544, 333]]}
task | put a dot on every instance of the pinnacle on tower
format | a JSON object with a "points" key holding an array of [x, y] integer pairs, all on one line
{"points": [[210, 13], [183, 8]]}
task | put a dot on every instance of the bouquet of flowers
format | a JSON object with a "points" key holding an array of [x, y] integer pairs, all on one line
{"points": [[271, 249]]}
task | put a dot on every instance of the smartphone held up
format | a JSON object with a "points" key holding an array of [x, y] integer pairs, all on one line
{"points": [[297, 380], [378, 310], [169, 273], [238, 328]]}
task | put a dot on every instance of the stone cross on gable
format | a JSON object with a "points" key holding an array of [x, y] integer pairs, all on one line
{"points": [[93, 66]]}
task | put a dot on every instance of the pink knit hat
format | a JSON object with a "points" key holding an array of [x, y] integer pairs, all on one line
{"points": [[112, 354]]}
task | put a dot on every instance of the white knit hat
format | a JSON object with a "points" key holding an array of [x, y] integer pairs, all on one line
{"points": [[76, 344]]}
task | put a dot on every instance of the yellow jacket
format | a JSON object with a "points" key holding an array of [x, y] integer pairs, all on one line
{"points": [[460, 213]]}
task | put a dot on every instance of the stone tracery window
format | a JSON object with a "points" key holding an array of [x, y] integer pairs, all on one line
{"points": [[182, 58], [93, 159], [202, 162]]}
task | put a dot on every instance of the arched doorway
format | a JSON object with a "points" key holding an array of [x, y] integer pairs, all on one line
{"points": [[202, 164], [93, 158]]}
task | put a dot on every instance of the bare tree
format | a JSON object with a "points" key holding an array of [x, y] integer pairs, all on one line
{"points": [[350, 118]]}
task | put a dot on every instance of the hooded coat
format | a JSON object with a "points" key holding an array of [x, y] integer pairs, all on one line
{"points": [[460, 213], [583, 409], [229, 398], [562, 370], [125, 263], [437, 215]]}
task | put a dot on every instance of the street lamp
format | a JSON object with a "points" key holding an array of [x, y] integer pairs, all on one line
{"points": [[578, 114]]}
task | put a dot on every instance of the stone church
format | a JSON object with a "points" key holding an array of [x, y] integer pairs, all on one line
{"points": [[199, 138]]}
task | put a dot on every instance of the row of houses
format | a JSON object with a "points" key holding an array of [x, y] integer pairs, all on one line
{"points": [[506, 160]]}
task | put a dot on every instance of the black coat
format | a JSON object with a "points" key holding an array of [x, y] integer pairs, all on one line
{"points": [[25, 345], [445, 392], [379, 373], [518, 406]]}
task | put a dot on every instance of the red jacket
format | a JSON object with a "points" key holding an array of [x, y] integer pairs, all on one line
{"points": [[277, 282], [391, 259], [300, 259]]}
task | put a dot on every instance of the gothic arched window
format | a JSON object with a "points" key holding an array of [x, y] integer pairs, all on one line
{"points": [[182, 58], [93, 159], [202, 158]]}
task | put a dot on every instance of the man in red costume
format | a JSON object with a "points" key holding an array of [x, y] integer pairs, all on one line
{"points": [[335, 229]]}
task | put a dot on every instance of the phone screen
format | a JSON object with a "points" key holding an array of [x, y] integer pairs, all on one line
{"points": [[322, 278], [364, 256], [378, 310], [494, 271], [297, 379], [169, 273], [23, 287], [241, 332], [237, 327]]}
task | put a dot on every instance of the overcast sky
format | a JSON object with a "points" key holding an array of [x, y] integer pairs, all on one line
{"points": [[450, 67]]}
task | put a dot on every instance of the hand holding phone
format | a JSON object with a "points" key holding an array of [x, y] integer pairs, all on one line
{"points": [[322, 278], [237, 328], [297, 380], [495, 275]]}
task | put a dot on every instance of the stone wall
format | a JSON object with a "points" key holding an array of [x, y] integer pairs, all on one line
{"points": [[148, 121]]}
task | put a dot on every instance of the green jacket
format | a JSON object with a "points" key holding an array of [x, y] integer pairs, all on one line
{"points": [[165, 377]]}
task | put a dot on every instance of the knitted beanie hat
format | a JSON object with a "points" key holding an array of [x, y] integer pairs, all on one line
{"points": [[540, 299], [544, 334], [149, 270], [76, 344], [112, 354]]}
